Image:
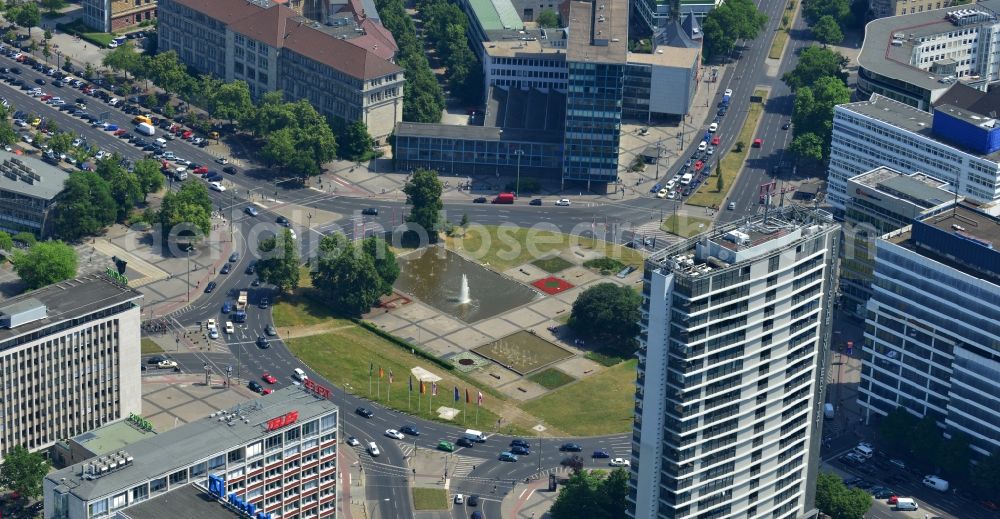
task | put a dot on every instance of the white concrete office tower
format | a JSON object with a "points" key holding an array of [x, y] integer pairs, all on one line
{"points": [[735, 331], [956, 145], [69, 361], [933, 325], [272, 457]]}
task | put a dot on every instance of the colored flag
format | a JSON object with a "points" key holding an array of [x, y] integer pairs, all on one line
{"points": [[456, 394], [380, 372], [390, 376], [479, 399], [434, 389], [468, 400], [411, 383], [421, 387]]}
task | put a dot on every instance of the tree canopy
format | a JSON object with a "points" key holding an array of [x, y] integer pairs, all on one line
{"points": [[297, 139], [816, 62], [83, 208], [189, 206], [384, 260], [547, 18], [827, 31], [354, 141], [423, 100], [346, 276], [45, 263], [423, 192], [838, 501], [813, 114], [23, 471], [838, 10], [609, 313], [731, 21], [26, 15], [594, 494], [280, 264]]}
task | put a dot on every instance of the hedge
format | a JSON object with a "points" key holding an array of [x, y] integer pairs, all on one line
{"points": [[402, 343]]}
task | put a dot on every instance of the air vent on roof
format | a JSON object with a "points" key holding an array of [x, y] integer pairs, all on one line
{"points": [[22, 312]]}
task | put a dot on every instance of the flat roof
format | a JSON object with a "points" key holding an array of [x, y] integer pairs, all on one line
{"points": [[46, 182], [522, 47], [69, 300], [495, 15], [111, 437], [879, 55], [916, 188], [665, 56], [159, 455], [192, 500], [902, 115], [964, 219], [598, 31], [475, 133]]}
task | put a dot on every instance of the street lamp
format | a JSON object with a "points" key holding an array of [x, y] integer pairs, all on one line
{"points": [[189, 272], [517, 185]]}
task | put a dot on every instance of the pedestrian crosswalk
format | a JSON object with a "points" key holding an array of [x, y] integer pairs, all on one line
{"points": [[461, 466], [661, 239]]}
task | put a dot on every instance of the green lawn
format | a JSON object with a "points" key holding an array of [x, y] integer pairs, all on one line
{"points": [[597, 405], [552, 265], [343, 356], [778, 44], [601, 358], [732, 163], [506, 246], [551, 378], [149, 346], [430, 499], [685, 226]]}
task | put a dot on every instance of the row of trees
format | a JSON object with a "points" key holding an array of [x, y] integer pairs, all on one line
{"points": [[819, 83], [296, 138], [23, 471], [423, 100], [828, 19], [839, 502], [445, 29], [27, 14], [731, 21]]}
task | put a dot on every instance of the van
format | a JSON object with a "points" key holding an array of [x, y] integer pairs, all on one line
{"points": [[906, 504], [936, 483], [181, 174], [864, 451], [145, 129], [828, 411], [160, 142], [301, 375], [504, 198]]}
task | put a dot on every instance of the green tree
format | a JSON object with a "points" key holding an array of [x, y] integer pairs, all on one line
{"points": [[28, 16], [346, 277], [895, 430], [807, 146], [10, 36], [61, 142], [354, 141], [608, 313], [231, 101], [189, 206], [814, 63], [827, 31], [547, 18], [985, 476], [150, 178], [280, 266], [384, 260], [593, 494], [812, 113], [46, 51], [23, 471], [169, 111], [52, 6], [67, 63], [720, 183], [83, 208], [88, 71], [278, 148], [47, 34], [731, 21], [26, 239], [839, 10], [6, 242], [423, 192], [7, 133], [925, 440], [124, 184], [839, 502], [45, 263], [123, 58], [953, 456]]}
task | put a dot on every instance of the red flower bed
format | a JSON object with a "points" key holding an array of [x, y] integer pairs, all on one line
{"points": [[552, 285]]}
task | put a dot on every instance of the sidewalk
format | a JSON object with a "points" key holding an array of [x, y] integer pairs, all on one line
{"points": [[350, 480], [528, 501]]}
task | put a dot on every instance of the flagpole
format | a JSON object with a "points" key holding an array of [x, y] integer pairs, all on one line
{"points": [[369, 379], [477, 414], [379, 386]]}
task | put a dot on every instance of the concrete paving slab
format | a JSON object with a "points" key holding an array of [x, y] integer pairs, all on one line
{"points": [[442, 347], [497, 327], [389, 321], [469, 338], [442, 324], [523, 389], [578, 367], [525, 317]]}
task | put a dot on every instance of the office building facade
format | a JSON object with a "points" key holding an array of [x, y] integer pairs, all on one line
{"points": [[69, 361], [344, 71], [277, 456], [733, 344], [932, 334], [880, 201], [952, 145], [28, 191], [117, 15]]}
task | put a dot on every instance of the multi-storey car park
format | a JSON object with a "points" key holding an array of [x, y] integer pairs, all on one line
{"points": [[732, 359]]}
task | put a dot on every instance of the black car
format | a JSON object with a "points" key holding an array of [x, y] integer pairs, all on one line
{"points": [[283, 221], [264, 303], [362, 411], [535, 201], [156, 359], [235, 256], [210, 287], [263, 343], [255, 387], [227, 268], [480, 200], [601, 453], [570, 447], [464, 442], [15, 70], [472, 501], [58, 84], [251, 268], [39, 81], [520, 450], [230, 169], [409, 429], [370, 211], [521, 443], [786, 126], [721, 112]]}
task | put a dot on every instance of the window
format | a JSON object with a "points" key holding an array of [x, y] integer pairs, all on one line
{"points": [[158, 485], [118, 501], [235, 455], [217, 462], [254, 449], [179, 477], [273, 442], [140, 493], [99, 508], [198, 469]]}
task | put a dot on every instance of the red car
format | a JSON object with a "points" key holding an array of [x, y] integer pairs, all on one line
{"points": [[173, 128], [266, 391], [698, 165], [893, 500], [201, 170], [269, 378], [187, 134], [716, 141], [758, 142], [45, 97], [119, 133]]}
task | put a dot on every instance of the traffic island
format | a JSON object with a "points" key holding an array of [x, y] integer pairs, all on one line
{"points": [[708, 195], [430, 499]]}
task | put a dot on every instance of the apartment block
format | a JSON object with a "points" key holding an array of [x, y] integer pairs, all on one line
{"points": [[272, 457], [933, 325], [117, 15], [955, 145], [656, 14], [880, 201], [344, 70], [884, 8], [734, 338], [69, 361], [28, 189]]}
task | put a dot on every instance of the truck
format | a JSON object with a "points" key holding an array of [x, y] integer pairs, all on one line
{"points": [[941, 485], [145, 129], [504, 198], [474, 435], [241, 302]]}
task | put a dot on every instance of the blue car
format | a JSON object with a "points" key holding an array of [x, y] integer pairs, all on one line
{"points": [[656, 188], [507, 456], [227, 307], [111, 127], [601, 453]]}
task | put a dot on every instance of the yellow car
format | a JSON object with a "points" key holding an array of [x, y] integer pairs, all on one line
{"points": [[36, 121]]}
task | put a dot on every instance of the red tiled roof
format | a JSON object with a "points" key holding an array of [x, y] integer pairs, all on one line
{"points": [[339, 54], [225, 11], [267, 25]]}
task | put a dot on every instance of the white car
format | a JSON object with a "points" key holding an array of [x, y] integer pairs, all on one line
{"points": [[459, 499], [713, 127], [167, 363], [662, 193], [729, 92], [394, 434], [229, 327], [373, 449], [711, 150], [352, 441], [112, 44], [563, 202], [620, 462], [222, 160], [702, 146], [211, 323], [672, 195], [217, 187], [213, 332]]}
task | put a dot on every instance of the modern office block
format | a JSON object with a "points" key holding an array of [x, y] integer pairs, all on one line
{"points": [[933, 325], [275, 456], [115, 15], [69, 361], [28, 190], [880, 201], [955, 145], [732, 359]]}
